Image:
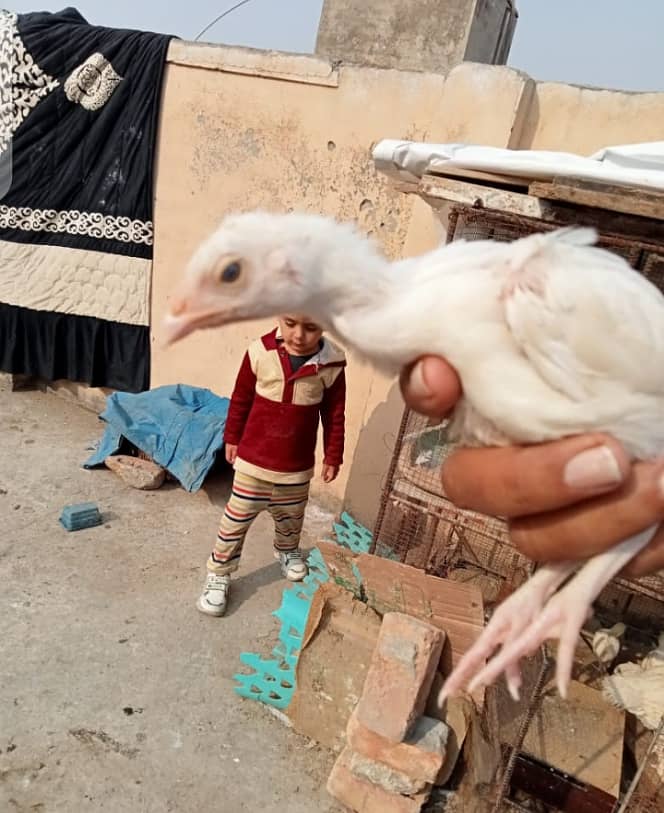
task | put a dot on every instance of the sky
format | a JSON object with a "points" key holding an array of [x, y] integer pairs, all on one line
{"points": [[603, 43]]}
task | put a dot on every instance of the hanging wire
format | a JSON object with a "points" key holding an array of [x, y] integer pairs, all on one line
{"points": [[221, 17]]}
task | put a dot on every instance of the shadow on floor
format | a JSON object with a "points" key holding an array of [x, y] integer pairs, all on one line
{"points": [[218, 483]]}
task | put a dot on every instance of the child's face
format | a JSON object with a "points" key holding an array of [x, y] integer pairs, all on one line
{"points": [[301, 335]]}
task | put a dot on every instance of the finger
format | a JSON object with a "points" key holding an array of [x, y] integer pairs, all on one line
{"points": [[513, 481], [430, 386], [582, 530]]}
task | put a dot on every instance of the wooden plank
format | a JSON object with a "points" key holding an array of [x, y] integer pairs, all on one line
{"points": [[439, 192], [625, 199], [485, 197], [557, 790], [482, 760], [443, 170], [406, 187], [581, 736], [389, 586]]}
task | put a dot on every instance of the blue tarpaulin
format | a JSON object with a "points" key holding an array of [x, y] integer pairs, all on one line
{"points": [[180, 427]]}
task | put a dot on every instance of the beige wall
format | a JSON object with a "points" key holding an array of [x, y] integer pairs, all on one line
{"points": [[232, 138], [500, 106], [578, 119], [242, 129]]}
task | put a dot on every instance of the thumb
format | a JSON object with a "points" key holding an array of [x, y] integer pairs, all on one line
{"points": [[430, 386]]}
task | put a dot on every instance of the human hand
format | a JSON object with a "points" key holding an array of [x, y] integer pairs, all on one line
{"points": [[581, 491], [231, 453], [329, 472]]}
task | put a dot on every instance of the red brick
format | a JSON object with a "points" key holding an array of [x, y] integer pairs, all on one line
{"points": [[385, 777], [400, 675], [364, 797], [420, 757]]}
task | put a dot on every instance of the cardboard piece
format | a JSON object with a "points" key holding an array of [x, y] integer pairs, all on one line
{"points": [[389, 586], [581, 736], [337, 647]]}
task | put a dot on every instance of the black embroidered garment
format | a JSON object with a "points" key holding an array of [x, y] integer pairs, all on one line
{"points": [[78, 120]]}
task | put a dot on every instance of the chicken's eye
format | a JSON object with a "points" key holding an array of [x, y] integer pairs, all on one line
{"points": [[231, 272]]}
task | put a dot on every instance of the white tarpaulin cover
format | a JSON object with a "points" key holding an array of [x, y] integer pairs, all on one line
{"points": [[626, 165]]}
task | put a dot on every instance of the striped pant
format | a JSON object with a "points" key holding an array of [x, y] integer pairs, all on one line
{"points": [[250, 496]]}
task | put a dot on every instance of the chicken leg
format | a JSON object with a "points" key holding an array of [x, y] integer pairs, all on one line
{"points": [[536, 613]]}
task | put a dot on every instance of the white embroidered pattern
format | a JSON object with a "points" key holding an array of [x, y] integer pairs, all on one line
{"points": [[89, 224], [23, 84], [92, 84]]}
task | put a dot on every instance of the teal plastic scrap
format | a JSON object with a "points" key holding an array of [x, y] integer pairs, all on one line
{"points": [[272, 680], [352, 535], [81, 515], [357, 538]]}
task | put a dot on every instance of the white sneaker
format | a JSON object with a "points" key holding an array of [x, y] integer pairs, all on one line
{"points": [[293, 566], [214, 598]]}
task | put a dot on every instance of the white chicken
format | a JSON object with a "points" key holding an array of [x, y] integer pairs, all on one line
{"points": [[550, 335]]}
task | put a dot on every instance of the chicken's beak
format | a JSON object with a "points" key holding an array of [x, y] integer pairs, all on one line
{"points": [[181, 320]]}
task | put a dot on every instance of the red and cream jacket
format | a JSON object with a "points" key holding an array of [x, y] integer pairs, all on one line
{"points": [[274, 413]]}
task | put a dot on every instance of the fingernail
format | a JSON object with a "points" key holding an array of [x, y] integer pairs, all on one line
{"points": [[593, 468], [418, 387]]}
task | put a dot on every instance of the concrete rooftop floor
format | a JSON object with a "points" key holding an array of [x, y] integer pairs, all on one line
{"points": [[115, 693]]}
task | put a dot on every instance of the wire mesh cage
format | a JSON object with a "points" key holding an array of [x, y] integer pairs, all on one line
{"points": [[419, 525]]}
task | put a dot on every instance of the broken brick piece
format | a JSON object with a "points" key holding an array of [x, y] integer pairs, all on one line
{"points": [[420, 757], [456, 713], [402, 670], [362, 796], [385, 777], [136, 472]]}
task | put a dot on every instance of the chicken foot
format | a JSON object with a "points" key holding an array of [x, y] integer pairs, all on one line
{"points": [[536, 613]]}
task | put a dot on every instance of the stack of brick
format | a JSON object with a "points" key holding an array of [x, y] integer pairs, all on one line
{"points": [[394, 754]]}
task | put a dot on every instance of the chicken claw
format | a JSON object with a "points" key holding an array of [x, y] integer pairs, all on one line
{"points": [[533, 615], [562, 617], [511, 620]]}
